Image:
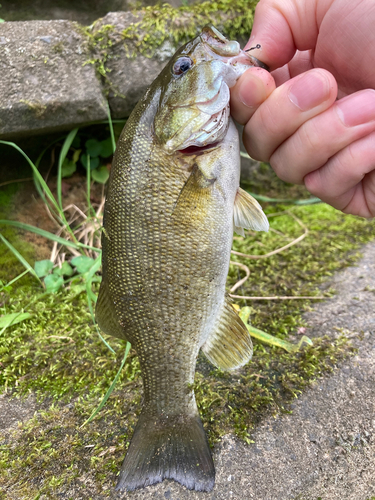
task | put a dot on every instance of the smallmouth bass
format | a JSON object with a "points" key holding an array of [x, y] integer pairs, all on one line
{"points": [[173, 202]]}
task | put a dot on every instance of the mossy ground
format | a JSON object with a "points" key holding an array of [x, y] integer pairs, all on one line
{"points": [[58, 356]]}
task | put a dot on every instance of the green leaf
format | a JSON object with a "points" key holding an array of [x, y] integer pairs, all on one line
{"points": [[100, 175], [13, 319], [43, 267], [93, 147], [68, 168], [76, 155], [82, 263], [64, 270], [107, 148], [53, 282], [94, 162], [2, 20]]}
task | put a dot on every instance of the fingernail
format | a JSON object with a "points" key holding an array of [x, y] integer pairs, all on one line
{"points": [[357, 108], [310, 90], [251, 92]]}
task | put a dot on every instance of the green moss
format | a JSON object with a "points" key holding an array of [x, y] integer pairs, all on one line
{"points": [[235, 402], [36, 107], [329, 245], [156, 25], [58, 48], [100, 43], [162, 23]]}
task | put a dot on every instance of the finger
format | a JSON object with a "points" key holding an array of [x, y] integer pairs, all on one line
{"points": [[283, 26], [254, 86], [286, 109], [347, 180], [300, 63], [323, 136]]}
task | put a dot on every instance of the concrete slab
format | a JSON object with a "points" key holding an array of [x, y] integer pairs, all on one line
{"points": [[45, 85]]}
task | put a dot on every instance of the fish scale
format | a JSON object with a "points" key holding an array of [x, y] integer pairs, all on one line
{"points": [[146, 235], [168, 229]]}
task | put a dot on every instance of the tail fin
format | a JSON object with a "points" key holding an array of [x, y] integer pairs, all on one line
{"points": [[169, 448]]}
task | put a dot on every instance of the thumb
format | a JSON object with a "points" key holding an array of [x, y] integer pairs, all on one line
{"points": [[251, 90]]}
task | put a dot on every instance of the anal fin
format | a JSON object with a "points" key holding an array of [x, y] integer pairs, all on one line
{"points": [[229, 345], [248, 214], [105, 313]]}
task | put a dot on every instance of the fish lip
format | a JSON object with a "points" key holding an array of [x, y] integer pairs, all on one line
{"points": [[218, 43], [213, 99], [210, 101]]}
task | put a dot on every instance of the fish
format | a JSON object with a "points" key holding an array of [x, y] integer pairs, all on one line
{"points": [[173, 201]]}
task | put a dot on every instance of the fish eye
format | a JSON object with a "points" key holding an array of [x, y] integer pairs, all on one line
{"points": [[182, 65]]}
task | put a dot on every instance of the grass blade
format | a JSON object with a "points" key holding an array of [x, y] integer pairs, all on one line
{"points": [[38, 176], [14, 280], [111, 128], [308, 201], [36, 181], [43, 185], [90, 208], [19, 257], [64, 151], [270, 339], [48, 235], [109, 392]]}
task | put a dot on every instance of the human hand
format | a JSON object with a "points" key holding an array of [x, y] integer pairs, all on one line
{"points": [[317, 50]]}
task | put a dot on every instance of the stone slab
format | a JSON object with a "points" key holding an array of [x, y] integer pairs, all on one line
{"points": [[129, 77], [49, 72], [45, 85]]}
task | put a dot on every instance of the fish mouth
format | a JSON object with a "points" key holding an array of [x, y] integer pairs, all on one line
{"points": [[198, 150]]}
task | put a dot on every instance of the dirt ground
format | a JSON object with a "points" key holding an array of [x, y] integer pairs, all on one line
{"points": [[324, 450]]}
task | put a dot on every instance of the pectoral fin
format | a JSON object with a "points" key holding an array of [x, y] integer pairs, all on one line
{"points": [[248, 214], [194, 197], [207, 165], [229, 345]]}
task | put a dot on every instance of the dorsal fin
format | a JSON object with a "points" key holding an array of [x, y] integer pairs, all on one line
{"points": [[229, 345], [248, 214]]}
